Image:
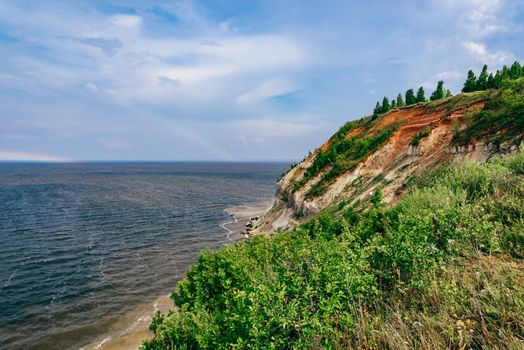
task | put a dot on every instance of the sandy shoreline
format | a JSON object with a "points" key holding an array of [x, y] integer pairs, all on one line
{"points": [[129, 331]]}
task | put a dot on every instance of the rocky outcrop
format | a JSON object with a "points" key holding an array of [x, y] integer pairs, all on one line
{"points": [[388, 168]]}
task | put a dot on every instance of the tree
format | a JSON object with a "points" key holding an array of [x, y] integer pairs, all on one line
{"points": [[497, 80], [421, 95], [515, 70], [377, 109], [410, 98], [393, 103], [400, 101], [439, 92], [385, 105], [505, 73], [482, 81], [471, 82], [448, 93], [490, 84]]}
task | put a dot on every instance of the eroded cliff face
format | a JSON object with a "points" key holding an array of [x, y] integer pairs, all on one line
{"points": [[423, 138]]}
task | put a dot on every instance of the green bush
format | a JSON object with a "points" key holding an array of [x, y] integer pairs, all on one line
{"points": [[343, 283]]}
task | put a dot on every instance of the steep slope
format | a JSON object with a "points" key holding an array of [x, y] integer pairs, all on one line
{"points": [[439, 268], [404, 143]]}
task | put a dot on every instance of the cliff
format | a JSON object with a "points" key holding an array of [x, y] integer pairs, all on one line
{"points": [[439, 267], [404, 143]]}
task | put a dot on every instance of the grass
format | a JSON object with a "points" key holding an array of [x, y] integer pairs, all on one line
{"points": [[441, 269], [502, 118]]}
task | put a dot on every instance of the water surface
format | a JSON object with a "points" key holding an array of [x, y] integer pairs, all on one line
{"points": [[83, 244]]}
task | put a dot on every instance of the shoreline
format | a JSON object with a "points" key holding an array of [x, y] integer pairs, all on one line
{"points": [[132, 329]]}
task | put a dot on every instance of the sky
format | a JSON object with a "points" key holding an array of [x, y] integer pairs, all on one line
{"points": [[225, 80]]}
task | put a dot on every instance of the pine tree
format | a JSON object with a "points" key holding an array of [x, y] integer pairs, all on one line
{"points": [[400, 101], [490, 84], [448, 93], [410, 98], [471, 82], [515, 70], [377, 110], [497, 80], [421, 95], [393, 103], [439, 92], [385, 105], [482, 81], [505, 73]]}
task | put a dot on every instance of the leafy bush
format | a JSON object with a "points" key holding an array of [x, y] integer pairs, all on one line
{"points": [[354, 281]]}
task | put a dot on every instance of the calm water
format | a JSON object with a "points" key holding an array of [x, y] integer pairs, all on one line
{"points": [[82, 244]]}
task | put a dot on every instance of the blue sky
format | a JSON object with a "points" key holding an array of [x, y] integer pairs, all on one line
{"points": [[226, 80]]}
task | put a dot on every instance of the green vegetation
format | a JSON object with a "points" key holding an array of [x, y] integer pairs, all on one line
{"points": [[420, 135], [343, 154], [400, 101], [439, 92], [348, 154], [485, 81], [443, 268], [421, 95], [501, 119], [410, 97], [492, 81]]}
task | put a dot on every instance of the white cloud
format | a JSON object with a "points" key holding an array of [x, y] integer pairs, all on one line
{"points": [[483, 55], [482, 18], [91, 87], [126, 21], [227, 26], [267, 89]]}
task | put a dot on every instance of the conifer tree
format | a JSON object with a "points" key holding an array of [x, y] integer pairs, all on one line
{"points": [[497, 80], [410, 98], [505, 73], [439, 92], [393, 103], [482, 81], [377, 111], [490, 84], [471, 82], [400, 101], [448, 93], [515, 70], [385, 105], [421, 95]]}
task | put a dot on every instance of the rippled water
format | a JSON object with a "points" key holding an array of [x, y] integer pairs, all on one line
{"points": [[82, 244]]}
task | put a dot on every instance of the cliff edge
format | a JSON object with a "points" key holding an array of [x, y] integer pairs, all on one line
{"points": [[375, 157]]}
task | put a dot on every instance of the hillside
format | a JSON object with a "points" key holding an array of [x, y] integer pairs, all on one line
{"points": [[385, 152], [408, 233]]}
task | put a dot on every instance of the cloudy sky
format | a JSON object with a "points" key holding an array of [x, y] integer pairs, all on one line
{"points": [[226, 80]]}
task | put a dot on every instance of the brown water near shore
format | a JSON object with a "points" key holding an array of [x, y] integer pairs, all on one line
{"points": [[130, 331]]}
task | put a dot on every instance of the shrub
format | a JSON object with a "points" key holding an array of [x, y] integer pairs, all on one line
{"points": [[373, 278]]}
